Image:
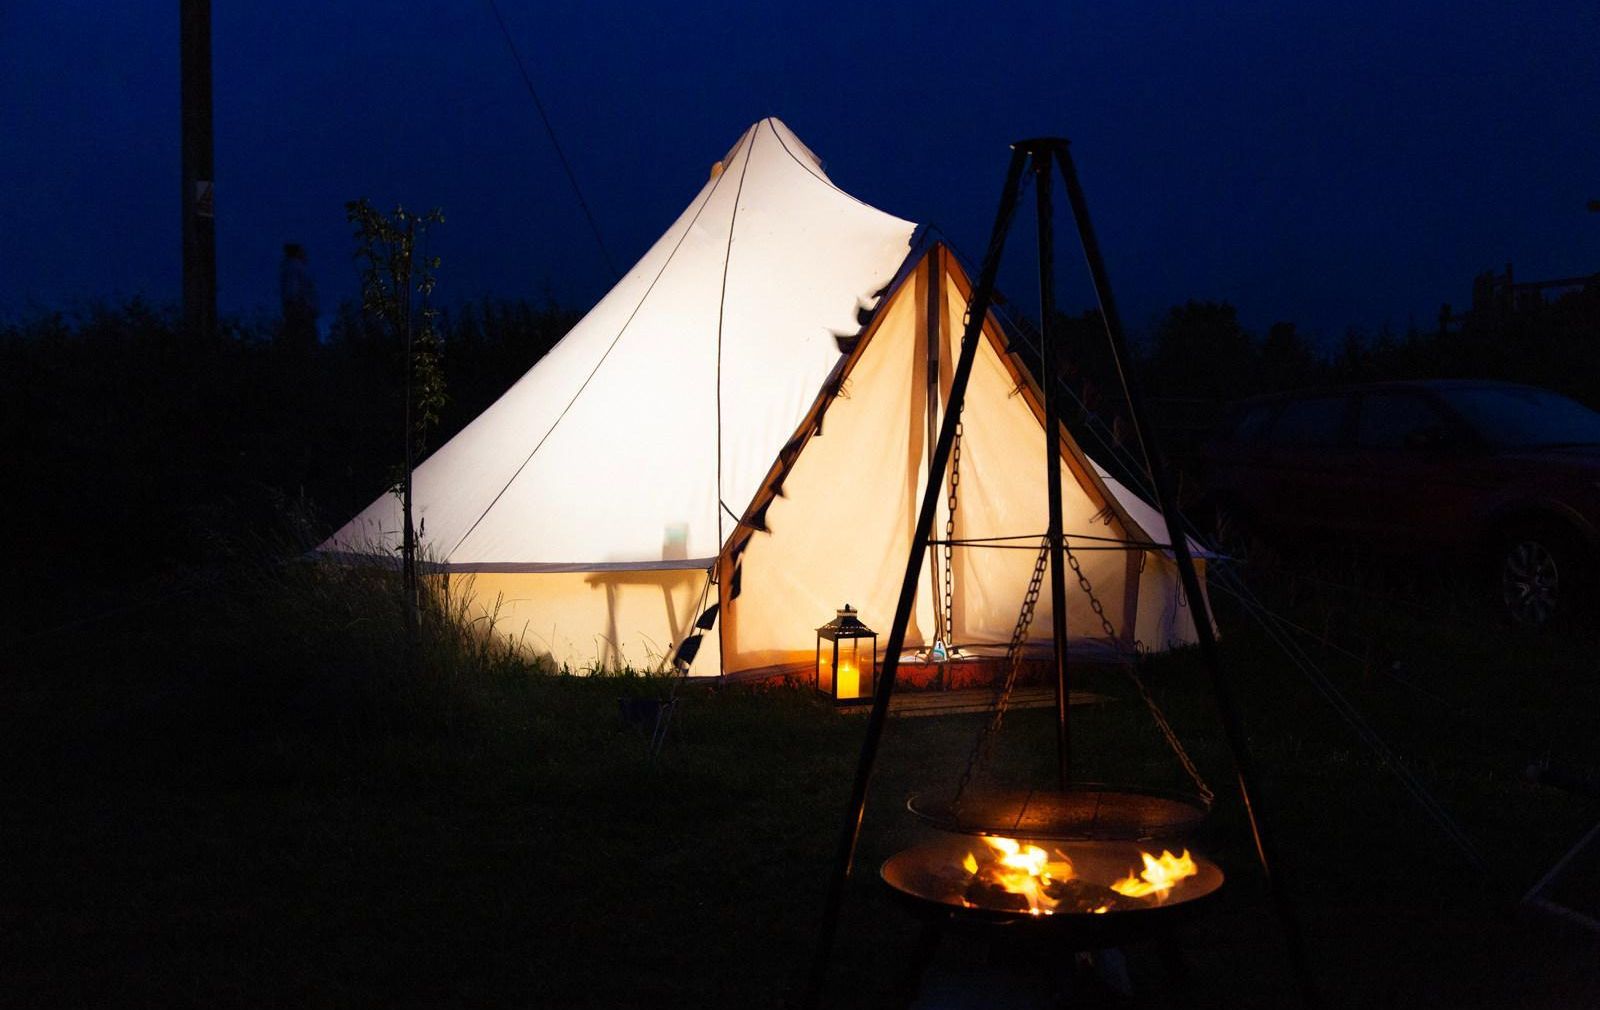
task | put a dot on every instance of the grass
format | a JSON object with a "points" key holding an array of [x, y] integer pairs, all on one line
{"points": [[246, 798]]}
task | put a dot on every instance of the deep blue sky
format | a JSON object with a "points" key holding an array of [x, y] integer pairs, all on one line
{"points": [[1353, 164]]}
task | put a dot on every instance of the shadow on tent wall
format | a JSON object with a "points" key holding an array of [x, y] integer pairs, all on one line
{"points": [[590, 621]]}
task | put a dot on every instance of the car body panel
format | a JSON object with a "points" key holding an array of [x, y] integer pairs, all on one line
{"points": [[1406, 472]]}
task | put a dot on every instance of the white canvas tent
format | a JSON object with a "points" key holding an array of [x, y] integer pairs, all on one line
{"points": [[701, 436]]}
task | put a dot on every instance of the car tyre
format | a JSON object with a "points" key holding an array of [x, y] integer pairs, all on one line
{"points": [[1541, 575]]}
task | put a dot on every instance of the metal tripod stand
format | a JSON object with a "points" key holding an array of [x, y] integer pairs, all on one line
{"points": [[1039, 156]]}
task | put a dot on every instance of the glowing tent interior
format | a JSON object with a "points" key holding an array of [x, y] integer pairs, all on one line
{"points": [[745, 420]]}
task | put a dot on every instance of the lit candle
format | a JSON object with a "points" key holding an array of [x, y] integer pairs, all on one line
{"points": [[849, 681]]}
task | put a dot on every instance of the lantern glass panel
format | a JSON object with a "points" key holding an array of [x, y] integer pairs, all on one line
{"points": [[850, 669], [827, 653], [858, 668]]}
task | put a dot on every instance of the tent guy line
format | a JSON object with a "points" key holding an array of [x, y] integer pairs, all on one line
{"points": [[1363, 730], [566, 166]]}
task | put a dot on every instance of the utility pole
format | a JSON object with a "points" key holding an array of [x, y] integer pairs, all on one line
{"points": [[199, 214]]}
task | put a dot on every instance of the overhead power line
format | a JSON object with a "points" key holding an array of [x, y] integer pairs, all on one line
{"points": [[545, 118]]}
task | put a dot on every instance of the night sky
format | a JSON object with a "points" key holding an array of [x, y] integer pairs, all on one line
{"points": [[1349, 165]]}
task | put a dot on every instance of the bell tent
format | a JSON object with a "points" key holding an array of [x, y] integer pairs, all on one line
{"points": [[746, 420]]}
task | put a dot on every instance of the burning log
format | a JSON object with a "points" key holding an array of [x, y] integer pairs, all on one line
{"points": [[1160, 875], [1018, 877], [998, 877]]}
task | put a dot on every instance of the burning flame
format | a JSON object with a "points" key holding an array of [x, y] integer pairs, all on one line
{"points": [[1021, 869], [1160, 875]]}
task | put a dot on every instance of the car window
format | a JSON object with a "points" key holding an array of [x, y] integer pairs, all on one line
{"points": [[1396, 421], [1520, 417], [1311, 422]]}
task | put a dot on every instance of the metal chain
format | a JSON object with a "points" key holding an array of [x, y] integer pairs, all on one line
{"points": [[1088, 590], [1206, 795], [1019, 635], [953, 499], [951, 502]]}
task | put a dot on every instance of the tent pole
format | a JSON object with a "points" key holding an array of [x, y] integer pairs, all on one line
{"points": [[935, 294], [1052, 429], [1205, 634], [977, 311]]}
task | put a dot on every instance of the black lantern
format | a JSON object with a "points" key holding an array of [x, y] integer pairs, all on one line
{"points": [[847, 659]]}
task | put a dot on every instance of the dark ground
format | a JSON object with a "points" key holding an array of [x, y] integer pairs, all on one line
{"points": [[230, 802]]}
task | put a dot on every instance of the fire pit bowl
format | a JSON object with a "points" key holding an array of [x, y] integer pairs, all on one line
{"points": [[937, 878]]}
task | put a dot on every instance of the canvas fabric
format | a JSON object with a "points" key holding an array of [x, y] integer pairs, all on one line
{"points": [[702, 420], [840, 530]]}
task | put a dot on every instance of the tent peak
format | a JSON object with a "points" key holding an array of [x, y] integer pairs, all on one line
{"points": [[791, 141]]}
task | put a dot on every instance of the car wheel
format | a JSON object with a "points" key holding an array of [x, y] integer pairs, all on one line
{"points": [[1538, 576]]}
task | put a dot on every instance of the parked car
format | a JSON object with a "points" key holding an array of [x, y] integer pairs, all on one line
{"points": [[1505, 476]]}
